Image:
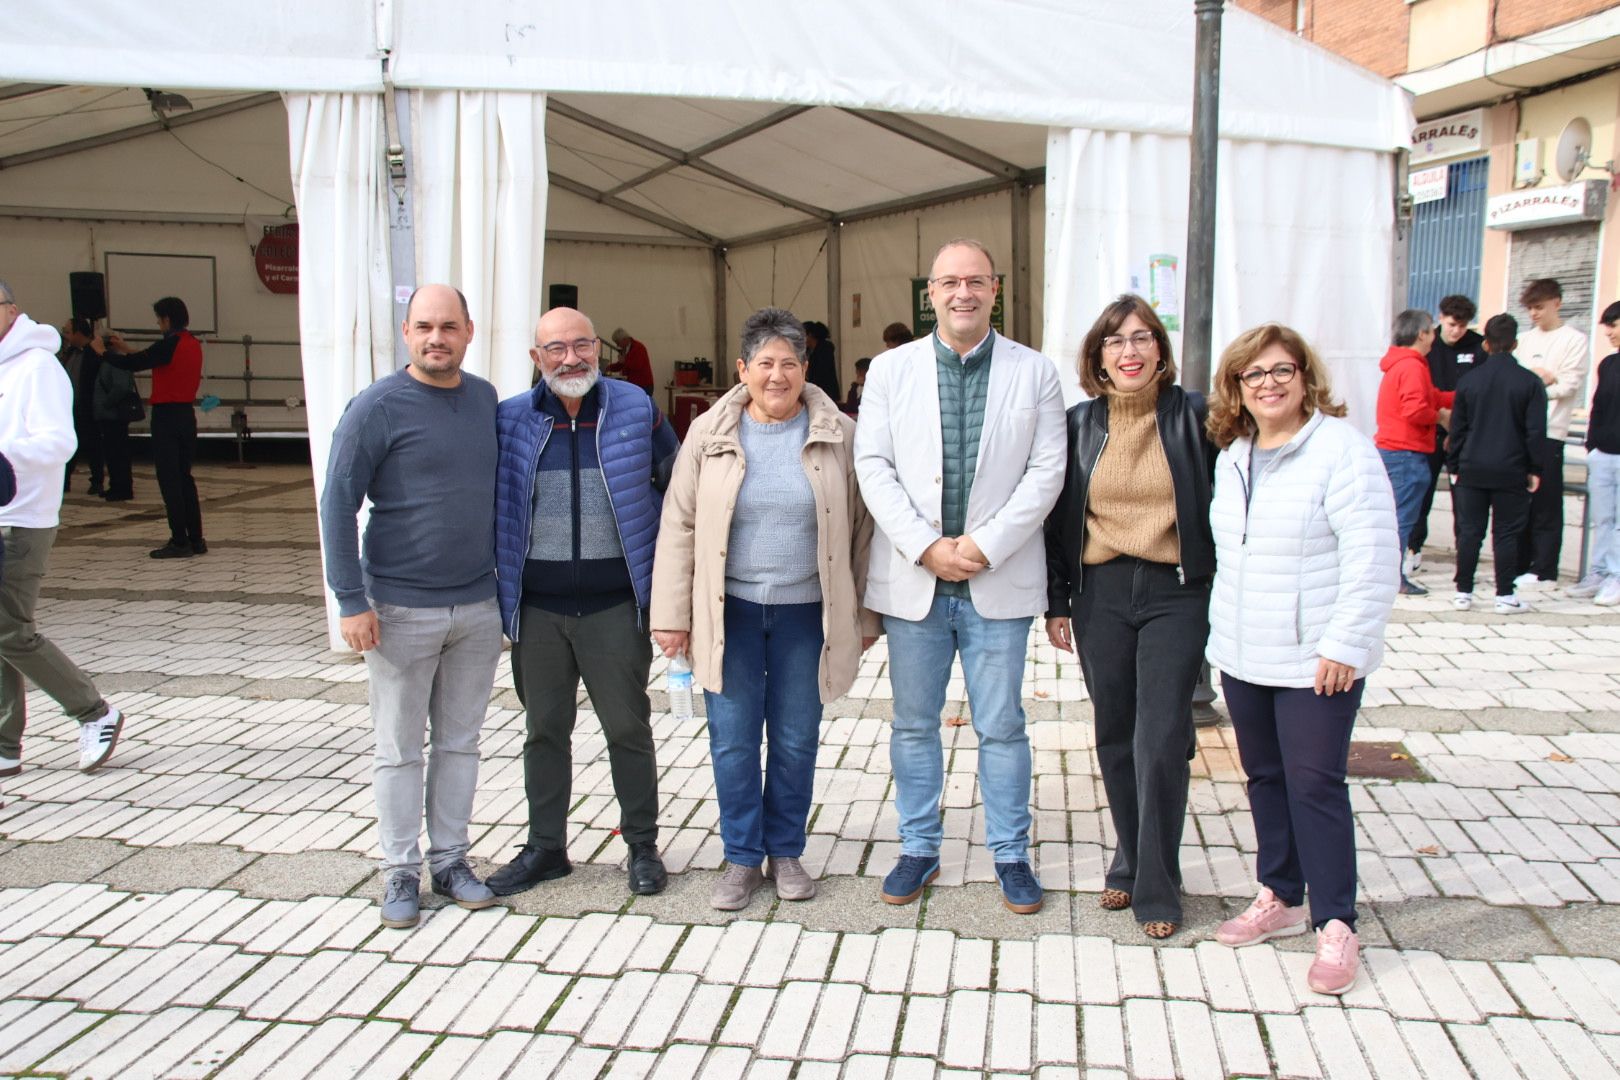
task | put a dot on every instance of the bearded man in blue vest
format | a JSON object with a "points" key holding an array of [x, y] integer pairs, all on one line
{"points": [[576, 522]]}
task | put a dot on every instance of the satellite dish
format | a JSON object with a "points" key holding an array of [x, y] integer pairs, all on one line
{"points": [[1574, 149]]}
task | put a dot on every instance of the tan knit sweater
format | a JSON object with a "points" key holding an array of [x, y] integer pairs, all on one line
{"points": [[1131, 508]]}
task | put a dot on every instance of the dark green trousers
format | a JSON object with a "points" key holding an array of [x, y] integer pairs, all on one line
{"points": [[613, 655]]}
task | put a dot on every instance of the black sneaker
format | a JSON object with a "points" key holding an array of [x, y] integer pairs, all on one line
{"points": [[171, 551], [200, 547], [532, 866], [647, 873]]}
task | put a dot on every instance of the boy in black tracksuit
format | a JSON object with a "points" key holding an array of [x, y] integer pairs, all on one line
{"points": [[1497, 421]]}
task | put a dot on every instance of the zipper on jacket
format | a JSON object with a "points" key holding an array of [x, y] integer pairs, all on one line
{"points": [[546, 425], [1247, 498], [573, 565]]}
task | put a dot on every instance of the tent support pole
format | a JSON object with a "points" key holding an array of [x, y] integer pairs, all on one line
{"points": [[402, 209], [835, 289], [1020, 262], [1200, 301], [1199, 307], [722, 373]]}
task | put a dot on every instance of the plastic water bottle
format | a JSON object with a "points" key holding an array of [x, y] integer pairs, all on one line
{"points": [[679, 685]]}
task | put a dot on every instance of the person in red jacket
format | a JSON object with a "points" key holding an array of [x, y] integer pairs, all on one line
{"points": [[634, 363], [176, 365], [1409, 407]]}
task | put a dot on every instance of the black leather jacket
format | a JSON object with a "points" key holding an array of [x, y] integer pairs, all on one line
{"points": [[1192, 465]]}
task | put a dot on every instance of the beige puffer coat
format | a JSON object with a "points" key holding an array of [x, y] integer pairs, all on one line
{"points": [[689, 573]]}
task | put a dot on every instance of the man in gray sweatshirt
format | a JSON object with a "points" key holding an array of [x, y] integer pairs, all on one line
{"points": [[419, 600]]}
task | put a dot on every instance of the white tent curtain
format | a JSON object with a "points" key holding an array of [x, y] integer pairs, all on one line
{"points": [[479, 166], [344, 314], [1303, 236]]}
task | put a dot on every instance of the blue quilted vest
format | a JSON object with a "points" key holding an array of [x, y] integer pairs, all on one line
{"points": [[624, 444]]}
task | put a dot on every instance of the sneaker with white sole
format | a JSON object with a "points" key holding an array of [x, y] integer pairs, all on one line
{"points": [[1412, 563], [1267, 917], [1338, 959], [1511, 605], [1531, 583], [1463, 601], [97, 738], [10, 766], [1585, 588], [1609, 595]]}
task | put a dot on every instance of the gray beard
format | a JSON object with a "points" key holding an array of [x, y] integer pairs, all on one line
{"points": [[576, 386]]}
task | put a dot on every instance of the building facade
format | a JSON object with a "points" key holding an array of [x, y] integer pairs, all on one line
{"points": [[1514, 163]]}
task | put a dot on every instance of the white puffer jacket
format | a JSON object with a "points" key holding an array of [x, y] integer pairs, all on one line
{"points": [[1309, 567]]}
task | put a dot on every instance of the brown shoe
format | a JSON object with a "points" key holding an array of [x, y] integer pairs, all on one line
{"points": [[736, 887], [793, 882]]}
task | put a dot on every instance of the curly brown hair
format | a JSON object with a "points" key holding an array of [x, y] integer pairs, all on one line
{"points": [[1228, 419], [1112, 318]]}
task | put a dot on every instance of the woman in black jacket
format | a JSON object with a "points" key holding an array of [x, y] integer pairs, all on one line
{"points": [[1129, 560]]}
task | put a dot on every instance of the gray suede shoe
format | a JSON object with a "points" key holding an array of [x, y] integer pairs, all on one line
{"points": [[793, 882], [402, 902], [736, 887], [460, 884]]}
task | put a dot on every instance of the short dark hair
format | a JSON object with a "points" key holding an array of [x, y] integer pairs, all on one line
{"points": [[174, 309], [1112, 318], [81, 326], [866, 361], [1540, 291], [1459, 307], [1410, 325], [1502, 333], [1611, 314], [896, 333]]}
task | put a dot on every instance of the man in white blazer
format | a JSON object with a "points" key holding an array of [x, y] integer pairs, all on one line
{"points": [[960, 454]]}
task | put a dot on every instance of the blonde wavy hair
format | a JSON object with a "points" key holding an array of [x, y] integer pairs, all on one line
{"points": [[1228, 419]]}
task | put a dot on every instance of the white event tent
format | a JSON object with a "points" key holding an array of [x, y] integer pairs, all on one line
{"points": [[737, 148]]}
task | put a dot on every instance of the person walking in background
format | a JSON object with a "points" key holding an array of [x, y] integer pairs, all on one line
{"points": [[1497, 425], [960, 454], [1556, 352], [81, 356], [1454, 351], [761, 564], [175, 361], [823, 361], [1602, 581], [576, 525], [1129, 558], [419, 602], [1307, 568], [36, 437], [1409, 410]]}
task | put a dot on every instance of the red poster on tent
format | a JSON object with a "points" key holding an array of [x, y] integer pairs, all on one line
{"points": [[276, 258]]}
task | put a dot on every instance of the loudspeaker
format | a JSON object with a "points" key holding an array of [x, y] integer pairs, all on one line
{"points": [[563, 296], [89, 292]]}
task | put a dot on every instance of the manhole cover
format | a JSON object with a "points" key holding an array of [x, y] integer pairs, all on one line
{"points": [[1383, 761]]}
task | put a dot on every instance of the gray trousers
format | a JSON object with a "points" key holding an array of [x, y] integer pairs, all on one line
{"points": [[27, 654], [613, 654], [431, 676]]}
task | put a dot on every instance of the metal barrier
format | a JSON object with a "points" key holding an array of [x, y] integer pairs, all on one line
{"points": [[241, 428]]}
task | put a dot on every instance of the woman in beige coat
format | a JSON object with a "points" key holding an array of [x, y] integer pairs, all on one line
{"points": [[760, 569]]}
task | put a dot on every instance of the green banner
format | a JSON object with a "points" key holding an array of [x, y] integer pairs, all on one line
{"points": [[922, 308]]}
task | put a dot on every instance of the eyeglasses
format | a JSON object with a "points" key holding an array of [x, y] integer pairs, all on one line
{"points": [[1282, 374], [1140, 341], [974, 284], [584, 347]]}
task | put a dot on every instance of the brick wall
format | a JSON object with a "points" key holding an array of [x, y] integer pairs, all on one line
{"points": [[1280, 12], [1515, 18], [1372, 33]]}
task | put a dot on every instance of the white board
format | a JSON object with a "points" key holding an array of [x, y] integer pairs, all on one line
{"points": [[136, 281]]}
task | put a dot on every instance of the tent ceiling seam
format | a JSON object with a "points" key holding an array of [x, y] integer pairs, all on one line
{"points": [[151, 127], [938, 141], [744, 132], [588, 192]]}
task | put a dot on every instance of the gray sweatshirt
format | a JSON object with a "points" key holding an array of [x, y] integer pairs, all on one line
{"points": [[425, 457], [771, 553]]}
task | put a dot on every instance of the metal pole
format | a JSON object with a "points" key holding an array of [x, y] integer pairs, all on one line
{"points": [[835, 291], [1196, 344], [722, 363], [1200, 301], [1020, 277]]}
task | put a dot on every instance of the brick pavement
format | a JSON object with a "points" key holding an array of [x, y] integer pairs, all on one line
{"points": [[207, 906]]}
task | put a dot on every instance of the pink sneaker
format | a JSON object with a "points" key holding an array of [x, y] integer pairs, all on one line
{"points": [[1266, 918], [1338, 958]]}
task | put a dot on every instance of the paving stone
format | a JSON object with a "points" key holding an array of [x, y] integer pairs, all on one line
{"points": [[310, 873], [62, 860], [164, 869], [1465, 929]]}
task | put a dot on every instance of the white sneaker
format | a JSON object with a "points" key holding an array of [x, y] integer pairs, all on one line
{"points": [[97, 739], [1609, 595], [1511, 605], [1463, 601], [10, 766], [1587, 586], [1412, 563], [1531, 583]]}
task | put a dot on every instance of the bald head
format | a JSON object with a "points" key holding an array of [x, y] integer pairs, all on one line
{"points": [[442, 294], [437, 331], [566, 350]]}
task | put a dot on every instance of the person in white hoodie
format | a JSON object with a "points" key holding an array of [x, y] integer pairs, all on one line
{"points": [[1307, 567], [36, 434]]}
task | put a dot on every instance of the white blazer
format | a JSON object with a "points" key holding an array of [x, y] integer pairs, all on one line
{"points": [[899, 454], [1307, 557]]}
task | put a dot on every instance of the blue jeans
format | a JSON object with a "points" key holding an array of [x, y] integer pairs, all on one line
{"points": [[993, 652], [1409, 476], [771, 676], [1603, 490]]}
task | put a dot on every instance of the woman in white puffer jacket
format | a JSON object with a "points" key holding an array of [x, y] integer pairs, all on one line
{"points": [[1307, 569]]}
